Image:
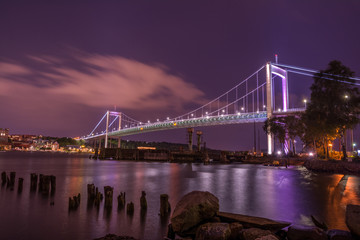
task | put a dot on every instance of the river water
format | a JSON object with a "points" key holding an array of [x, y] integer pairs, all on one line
{"points": [[291, 194]]}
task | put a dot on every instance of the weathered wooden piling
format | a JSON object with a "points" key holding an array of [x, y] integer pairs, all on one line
{"points": [[45, 188], [165, 207], [3, 177], [91, 192], [20, 184], [108, 192], [130, 208], [74, 202], [33, 181], [41, 179], [11, 180], [121, 200], [98, 197], [143, 202], [53, 183]]}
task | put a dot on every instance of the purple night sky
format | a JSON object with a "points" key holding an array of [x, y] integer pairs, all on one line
{"points": [[62, 65]]}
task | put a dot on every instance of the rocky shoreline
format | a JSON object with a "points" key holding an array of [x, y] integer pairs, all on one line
{"points": [[197, 217], [331, 166]]}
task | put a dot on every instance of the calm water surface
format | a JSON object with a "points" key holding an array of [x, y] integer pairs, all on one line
{"points": [[291, 194]]}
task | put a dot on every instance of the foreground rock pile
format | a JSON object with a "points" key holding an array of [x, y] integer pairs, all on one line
{"points": [[197, 216]]}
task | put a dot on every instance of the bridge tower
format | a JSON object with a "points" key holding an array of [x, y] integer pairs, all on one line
{"points": [[108, 114], [270, 71]]}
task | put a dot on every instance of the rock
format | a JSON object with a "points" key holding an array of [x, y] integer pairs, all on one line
{"points": [[115, 237], [253, 222], [297, 232], [213, 231], [268, 237], [256, 233], [335, 234], [193, 209], [319, 224], [170, 232], [353, 219], [236, 231]]}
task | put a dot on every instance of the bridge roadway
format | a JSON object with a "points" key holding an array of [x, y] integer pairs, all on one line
{"points": [[238, 118]]}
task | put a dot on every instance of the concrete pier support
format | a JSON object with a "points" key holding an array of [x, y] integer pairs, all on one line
{"points": [[190, 135]]}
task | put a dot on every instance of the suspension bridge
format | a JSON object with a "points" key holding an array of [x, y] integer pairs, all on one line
{"points": [[252, 100]]}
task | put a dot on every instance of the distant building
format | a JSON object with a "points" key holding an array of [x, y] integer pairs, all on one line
{"points": [[4, 135], [4, 139], [55, 146]]}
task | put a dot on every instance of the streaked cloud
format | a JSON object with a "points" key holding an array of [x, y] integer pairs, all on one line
{"points": [[99, 81], [46, 86]]}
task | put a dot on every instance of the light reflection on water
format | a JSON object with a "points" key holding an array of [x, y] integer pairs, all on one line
{"points": [[291, 194]]}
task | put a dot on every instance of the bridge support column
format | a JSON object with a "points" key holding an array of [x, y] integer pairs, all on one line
{"points": [[190, 135], [269, 105], [107, 128], [119, 142]]}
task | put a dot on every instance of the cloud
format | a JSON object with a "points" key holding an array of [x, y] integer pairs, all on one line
{"points": [[100, 81], [44, 89]]}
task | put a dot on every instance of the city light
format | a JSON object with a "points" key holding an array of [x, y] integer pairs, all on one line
{"points": [[311, 154], [279, 152]]}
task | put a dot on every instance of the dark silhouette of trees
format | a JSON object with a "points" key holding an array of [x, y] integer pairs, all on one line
{"points": [[334, 107], [284, 128]]}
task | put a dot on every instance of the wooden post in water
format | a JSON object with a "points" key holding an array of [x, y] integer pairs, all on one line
{"points": [[12, 178], [91, 192], [130, 208], [108, 192], [41, 179], [53, 183], [33, 181], [74, 202], [165, 207], [45, 184], [121, 200], [143, 202], [3, 178], [20, 186]]}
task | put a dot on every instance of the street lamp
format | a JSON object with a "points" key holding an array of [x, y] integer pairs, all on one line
{"points": [[305, 101]]}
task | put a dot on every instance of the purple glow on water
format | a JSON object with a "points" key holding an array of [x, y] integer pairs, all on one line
{"points": [[291, 194]]}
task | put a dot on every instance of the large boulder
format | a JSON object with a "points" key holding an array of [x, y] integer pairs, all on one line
{"points": [[257, 233], [353, 219], [236, 231], [253, 222], [192, 210], [213, 231], [297, 232]]}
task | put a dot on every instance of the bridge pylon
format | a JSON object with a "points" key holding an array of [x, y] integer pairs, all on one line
{"points": [[270, 95]]}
